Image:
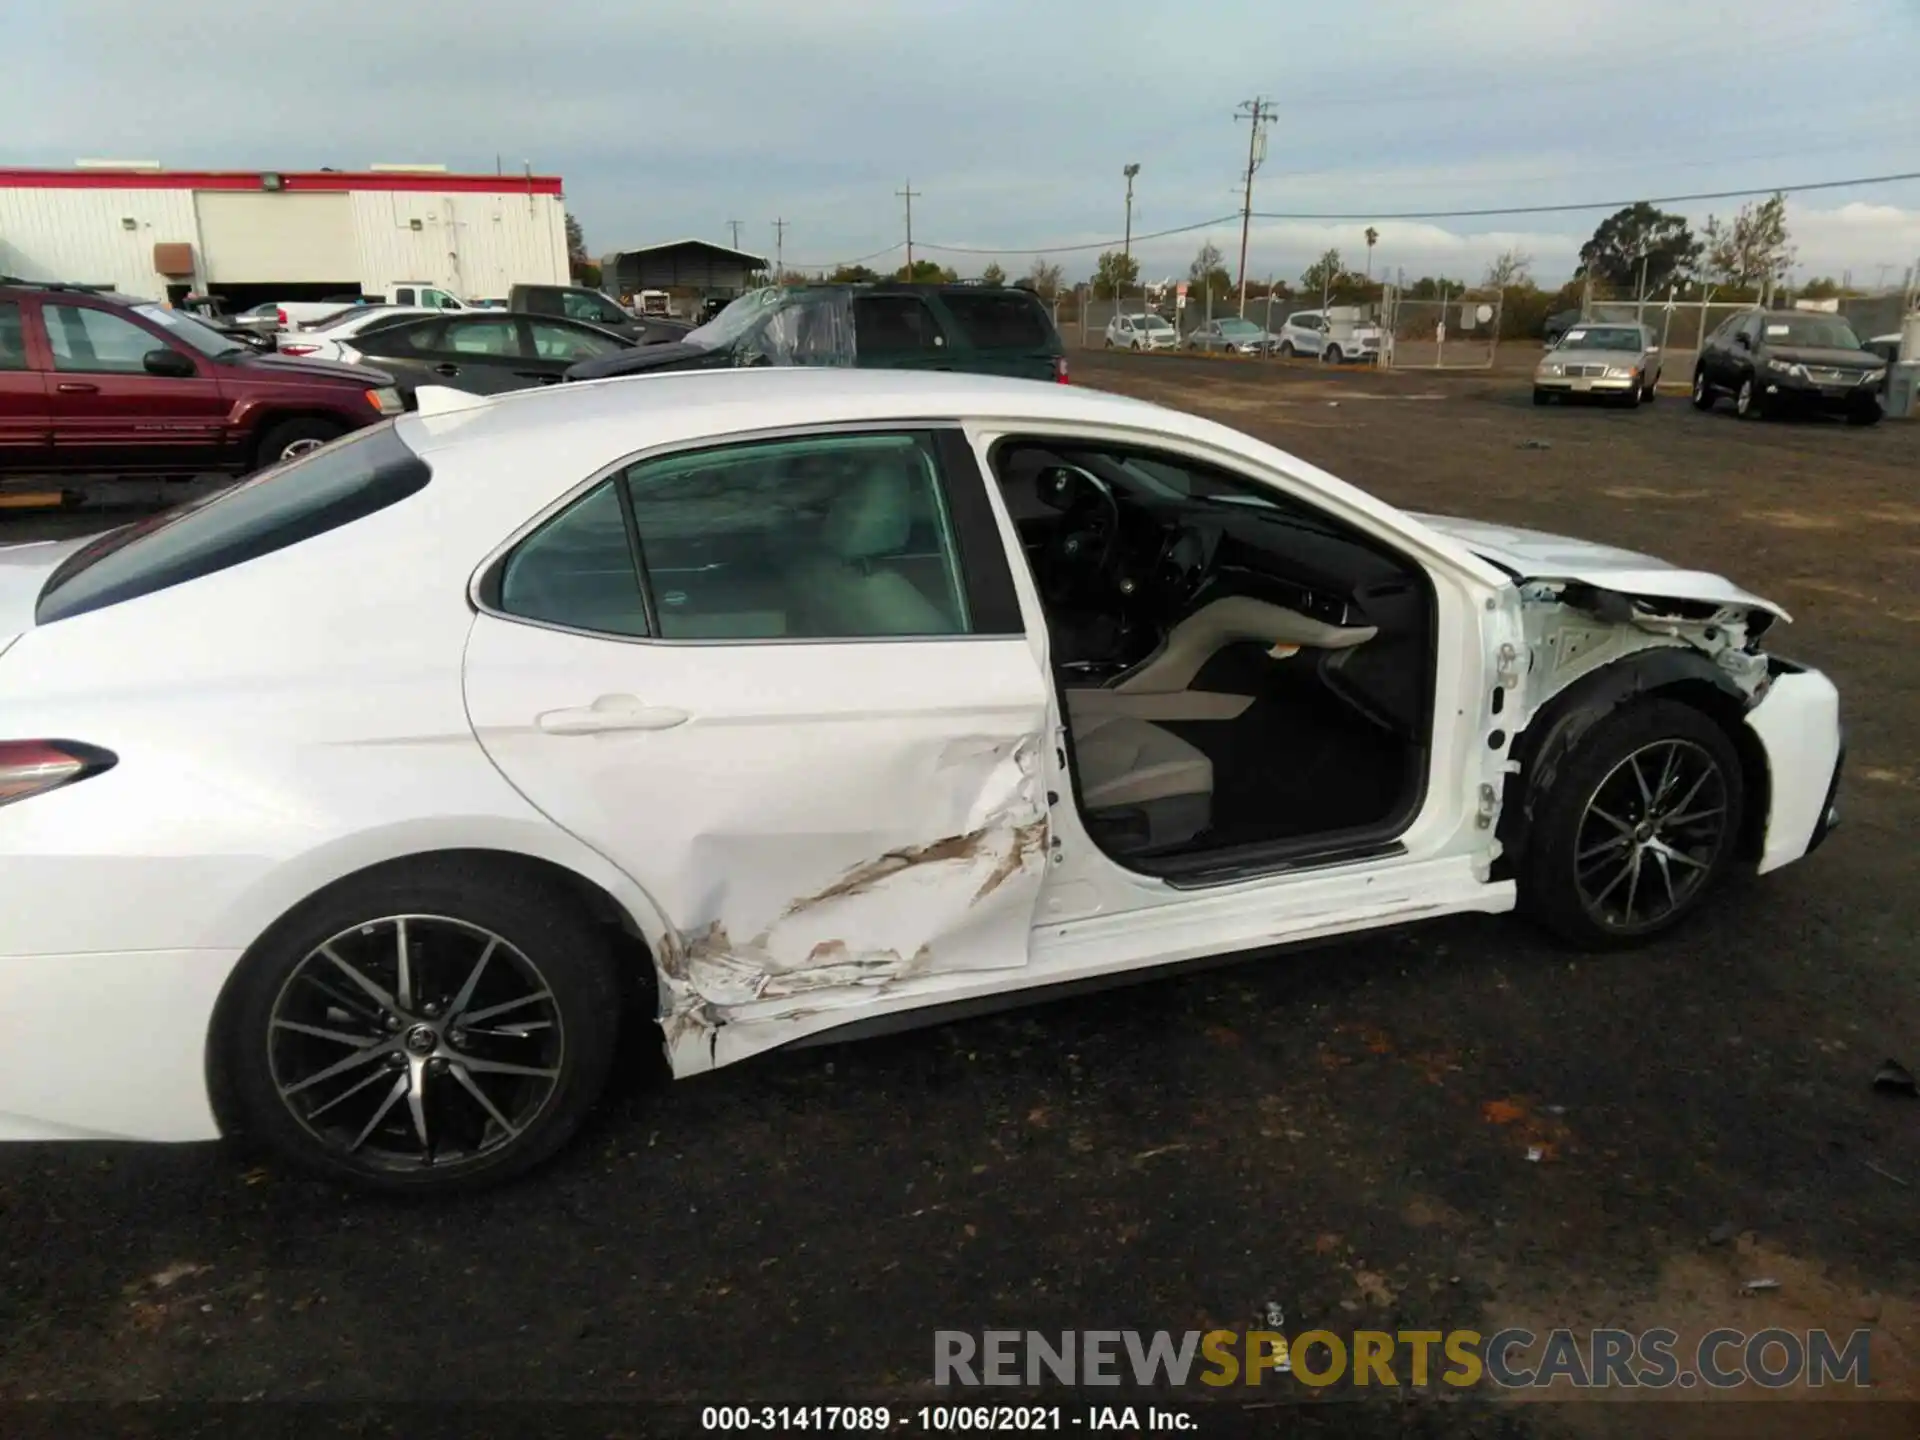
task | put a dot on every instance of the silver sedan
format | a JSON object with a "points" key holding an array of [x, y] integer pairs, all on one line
{"points": [[1618, 362], [1231, 336]]}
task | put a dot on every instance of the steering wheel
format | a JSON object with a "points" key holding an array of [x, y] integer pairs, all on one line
{"points": [[1082, 548], [1182, 565]]}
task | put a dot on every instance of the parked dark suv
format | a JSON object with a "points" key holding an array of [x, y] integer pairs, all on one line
{"points": [[109, 384], [1780, 360], [981, 329]]}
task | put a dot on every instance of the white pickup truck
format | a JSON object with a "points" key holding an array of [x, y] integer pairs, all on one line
{"points": [[302, 314]]}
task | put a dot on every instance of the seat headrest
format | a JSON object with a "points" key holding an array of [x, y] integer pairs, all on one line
{"points": [[873, 514]]}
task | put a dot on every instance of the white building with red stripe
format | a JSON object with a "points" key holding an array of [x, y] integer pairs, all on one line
{"points": [[252, 236]]}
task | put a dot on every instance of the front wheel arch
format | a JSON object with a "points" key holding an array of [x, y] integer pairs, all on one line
{"points": [[1667, 673]]}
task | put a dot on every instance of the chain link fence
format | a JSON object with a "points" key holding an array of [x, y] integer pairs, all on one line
{"points": [[1461, 332]]}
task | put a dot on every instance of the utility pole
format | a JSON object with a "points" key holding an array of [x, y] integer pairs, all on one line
{"points": [[779, 249], [734, 225], [1126, 245], [909, 195], [1259, 112]]}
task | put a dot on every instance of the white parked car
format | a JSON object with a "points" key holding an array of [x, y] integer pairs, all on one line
{"points": [[1313, 332], [1231, 336], [329, 342], [1141, 332], [341, 810]]}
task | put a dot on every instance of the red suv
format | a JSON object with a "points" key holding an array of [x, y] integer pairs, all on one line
{"points": [[114, 385]]}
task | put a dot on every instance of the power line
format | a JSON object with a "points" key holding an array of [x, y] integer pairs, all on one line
{"points": [[1072, 249], [1583, 205]]}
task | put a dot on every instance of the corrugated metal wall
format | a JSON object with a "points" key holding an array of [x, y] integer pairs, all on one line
{"points": [[476, 245], [81, 235]]}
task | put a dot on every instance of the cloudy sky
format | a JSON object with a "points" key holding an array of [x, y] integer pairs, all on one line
{"points": [[1013, 120]]}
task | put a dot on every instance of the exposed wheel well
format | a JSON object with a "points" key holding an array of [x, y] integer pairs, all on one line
{"points": [[568, 887], [1662, 674]]}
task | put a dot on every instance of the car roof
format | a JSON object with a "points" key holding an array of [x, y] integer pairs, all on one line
{"points": [[626, 413]]}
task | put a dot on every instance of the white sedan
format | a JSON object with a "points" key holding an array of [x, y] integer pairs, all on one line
{"points": [[329, 341], [344, 811]]}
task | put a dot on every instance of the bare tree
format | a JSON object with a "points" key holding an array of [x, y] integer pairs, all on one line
{"points": [[1045, 279], [1752, 249], [993, 274], [1510, 267]]}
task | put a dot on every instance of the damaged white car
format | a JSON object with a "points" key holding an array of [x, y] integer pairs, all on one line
{"points": [[346, 810]]}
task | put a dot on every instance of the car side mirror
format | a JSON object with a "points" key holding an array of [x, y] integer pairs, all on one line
{"points": [[167, 362], [1742, 341]]}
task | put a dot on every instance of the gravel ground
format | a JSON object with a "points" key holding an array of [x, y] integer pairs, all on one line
{"points": [[1342, 1131]]}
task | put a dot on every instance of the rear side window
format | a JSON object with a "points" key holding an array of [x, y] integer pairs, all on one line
{"points": [[895, 325], [321, 491], [1000, 321], [13, 338]]}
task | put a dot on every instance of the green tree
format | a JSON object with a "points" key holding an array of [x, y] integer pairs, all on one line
{"points": [[1323, 275], [1045, 279], [1621, 241], [853, 275], [993, 274], [927, 272], [1752, 248], [1373, 239], [576, 237], [1115, 271], [1821, 287], [1208, 275]]}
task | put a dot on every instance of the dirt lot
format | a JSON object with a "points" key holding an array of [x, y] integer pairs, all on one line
{"points": [[1343, 1132]]}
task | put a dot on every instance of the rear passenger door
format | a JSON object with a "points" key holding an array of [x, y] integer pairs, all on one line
{"points": [[899, 332], [1004, 332], [479, 355], [25, 428], [783, 684]]}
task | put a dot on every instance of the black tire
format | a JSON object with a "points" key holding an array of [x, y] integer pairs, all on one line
{"points": [[1134, 346], [540, 924], [291, 438], [1864, 415], [1549, 868], [1287, 351], [1332, 355], [1702, 391], [1542, 397], [1746, 401], [1652, 392]]}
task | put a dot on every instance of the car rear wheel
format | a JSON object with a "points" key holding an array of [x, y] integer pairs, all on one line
{"points": [[430, 1028], [1746, 401], [1634, 828], [1702, 391], [293, 438]]}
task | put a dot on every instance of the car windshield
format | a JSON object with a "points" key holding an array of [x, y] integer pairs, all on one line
{"points": [[1238, 327], [1824, 332], [1154, 322], [736, 320], [189, 330], [1603, 337]]}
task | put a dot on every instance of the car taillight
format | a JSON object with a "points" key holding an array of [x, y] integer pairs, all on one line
{"points": [[280, 317], [29, 767], [298, 349], [1060, 369]]}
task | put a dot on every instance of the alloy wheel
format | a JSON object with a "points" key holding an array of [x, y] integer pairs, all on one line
{"points": [[1650, 835], [1743, 401], [299, 447], [415, 1041]]}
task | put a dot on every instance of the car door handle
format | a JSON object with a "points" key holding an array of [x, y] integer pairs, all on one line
{"points": [[77, 387], [611, 713], [446, 368]]}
